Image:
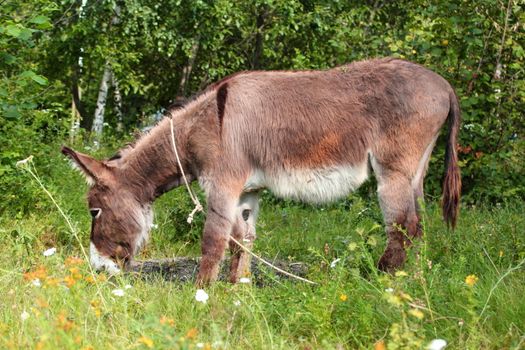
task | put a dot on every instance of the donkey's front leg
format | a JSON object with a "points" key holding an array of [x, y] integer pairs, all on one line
{"points": [[217, 229]]}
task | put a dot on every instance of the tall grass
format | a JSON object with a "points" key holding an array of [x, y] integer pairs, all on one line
{"points": [[56, 302]]}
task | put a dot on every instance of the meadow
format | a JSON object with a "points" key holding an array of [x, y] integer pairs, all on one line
{"points": [[464, 286]]}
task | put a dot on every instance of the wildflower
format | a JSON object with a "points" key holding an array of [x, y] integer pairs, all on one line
{"points": [[69, 281], [50, 251], [42, 303], [333, 263], [167, 321], [146, 341], [24, 161], [244, 280], [237, 303], [40, 273], [401, 273], [118, 292], [389, 290], [52, 281], [201, 296], [89, 279], [416, 313], [437, 344], [128, 286], [380, 345], [471, 280], [192, 333], [343, 297], [352, 246], [199, 345], [24, 315], [501, 253], [64, 323], [36, 282], [73, 260]]}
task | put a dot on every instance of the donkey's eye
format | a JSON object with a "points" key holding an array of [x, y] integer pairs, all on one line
{"points": [[95, 212]]}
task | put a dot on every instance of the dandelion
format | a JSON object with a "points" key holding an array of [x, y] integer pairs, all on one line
{"points": [[146, 341], [437, 344], [201, 296], [343, 297], [244, 280], [333, 263], [118, 292], [471, 280], [24, 315], [50, 251]]}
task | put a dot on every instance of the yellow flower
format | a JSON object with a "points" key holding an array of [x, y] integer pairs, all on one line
{"points": [[167, 321], [501, 253], [471, 280], [69, 281], [343, 297], [380, 345], [192, 333], [401, 273], [73, 260], [146, 341], [416, 313]]}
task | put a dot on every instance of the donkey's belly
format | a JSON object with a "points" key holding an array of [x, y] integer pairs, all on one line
{"points": [[310, 185]]}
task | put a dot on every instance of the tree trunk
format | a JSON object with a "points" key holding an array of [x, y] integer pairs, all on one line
{"points": [[118, 103], [98, 118], [257, 52], [186, 71]]}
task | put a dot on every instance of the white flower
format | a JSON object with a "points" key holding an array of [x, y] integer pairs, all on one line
{"points": [[199, 345], [154, 226], [24, 315], [24, 161], [237, 303], [333, 263], [389, 290], [36, 282], [128, 286], [244, 280], [118, 292], [201, 296], [437, 344], [50, 251]]}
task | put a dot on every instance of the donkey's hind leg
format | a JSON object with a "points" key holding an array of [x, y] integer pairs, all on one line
{"points": [[244, 232], [396, 198]]}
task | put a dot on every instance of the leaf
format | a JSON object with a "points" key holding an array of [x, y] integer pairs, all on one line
{"points": [[40, 79], [40, 19], [13, 30]]}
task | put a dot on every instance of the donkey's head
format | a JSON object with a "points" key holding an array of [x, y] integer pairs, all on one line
{"points": [[120, 222]]}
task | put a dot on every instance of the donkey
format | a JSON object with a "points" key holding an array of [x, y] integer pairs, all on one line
{"points": [[312, 136]]}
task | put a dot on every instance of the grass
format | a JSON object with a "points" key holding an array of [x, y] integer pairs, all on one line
{"points": [[352, 306]]}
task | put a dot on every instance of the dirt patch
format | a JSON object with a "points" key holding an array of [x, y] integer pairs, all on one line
{"points": [[184, 269]]}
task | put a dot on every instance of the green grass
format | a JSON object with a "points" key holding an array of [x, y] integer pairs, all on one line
{"points": [[350, 307]]}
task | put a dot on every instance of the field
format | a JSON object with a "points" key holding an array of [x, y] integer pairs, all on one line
{"points": [[465, 287]]}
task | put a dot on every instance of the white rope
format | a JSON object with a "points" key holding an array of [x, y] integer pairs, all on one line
{"points": [[198, 207]]}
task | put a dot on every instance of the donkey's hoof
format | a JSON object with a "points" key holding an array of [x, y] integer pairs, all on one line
{"points": [[391, 260]]}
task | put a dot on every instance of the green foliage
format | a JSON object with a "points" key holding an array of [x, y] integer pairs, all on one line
{"points": [[48, 49]]}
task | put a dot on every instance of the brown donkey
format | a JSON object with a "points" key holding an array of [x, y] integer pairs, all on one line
{"points": [[308, 135]]}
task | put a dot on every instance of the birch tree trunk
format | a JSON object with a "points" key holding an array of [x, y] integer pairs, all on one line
{"points": [[98, 119], [118, 102]]}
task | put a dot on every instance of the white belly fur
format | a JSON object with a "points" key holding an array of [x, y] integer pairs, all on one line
{"points": [[311, 185]]}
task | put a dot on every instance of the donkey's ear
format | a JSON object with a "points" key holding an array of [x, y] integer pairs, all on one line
{"points": [[91, 168]]}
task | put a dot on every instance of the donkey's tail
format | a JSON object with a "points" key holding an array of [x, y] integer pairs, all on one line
{"points": [[452, 176]]}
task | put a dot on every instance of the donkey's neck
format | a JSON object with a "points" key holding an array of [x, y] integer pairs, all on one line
{"points": [[150, 167]]}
